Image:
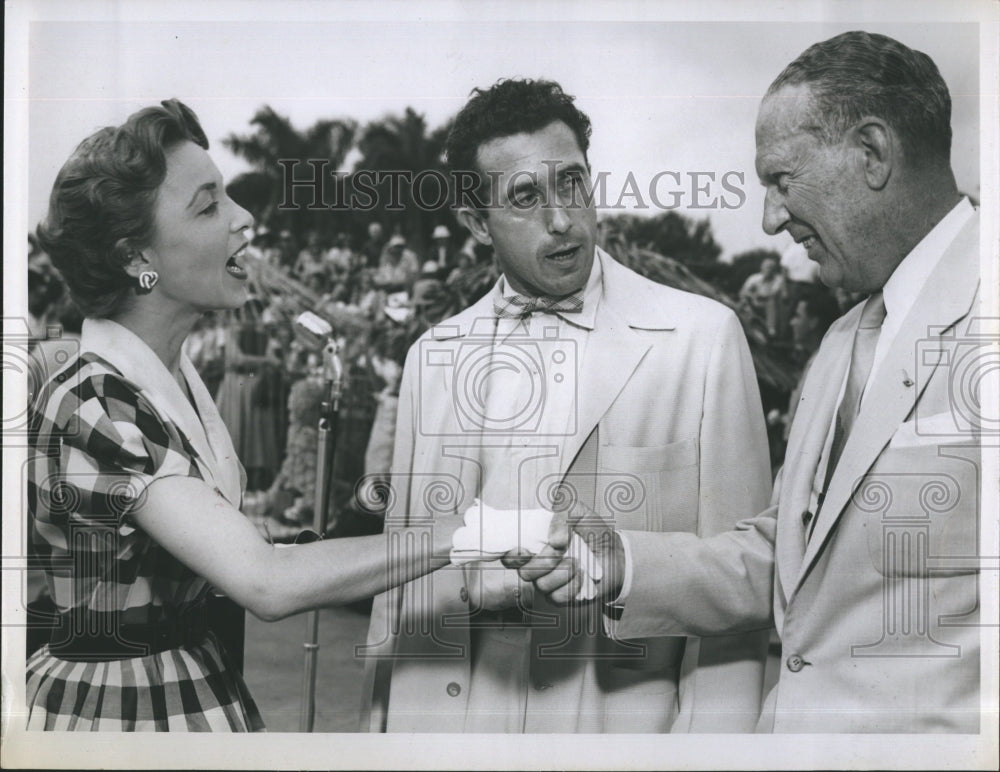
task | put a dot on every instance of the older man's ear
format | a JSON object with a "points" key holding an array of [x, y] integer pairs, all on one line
{"points": [[879, 148]]}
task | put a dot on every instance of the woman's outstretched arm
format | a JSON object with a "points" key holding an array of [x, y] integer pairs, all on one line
{"points": [[216, 541]]}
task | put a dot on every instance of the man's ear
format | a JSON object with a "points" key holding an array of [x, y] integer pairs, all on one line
{"points": [[475, 221], [879, 148]]}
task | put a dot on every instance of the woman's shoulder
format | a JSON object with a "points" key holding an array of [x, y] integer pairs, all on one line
{"points": [[88, 376], [89, 391], [93, 418]]}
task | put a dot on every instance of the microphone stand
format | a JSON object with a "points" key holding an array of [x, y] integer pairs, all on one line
{"points": [[333, 376]]}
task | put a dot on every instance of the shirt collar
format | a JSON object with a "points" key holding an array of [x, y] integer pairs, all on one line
{"points": [[905, 283], [140, 365], [591, 296]]}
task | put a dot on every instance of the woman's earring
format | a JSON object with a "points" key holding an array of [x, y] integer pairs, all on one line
{"points": [[147, 280]]}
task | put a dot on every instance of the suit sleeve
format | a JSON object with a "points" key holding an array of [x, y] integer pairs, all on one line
{"points": [[722, 675], [686, 585]]}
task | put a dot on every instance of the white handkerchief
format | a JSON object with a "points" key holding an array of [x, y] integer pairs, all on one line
{"points": [[489, 533], [589, 565]]}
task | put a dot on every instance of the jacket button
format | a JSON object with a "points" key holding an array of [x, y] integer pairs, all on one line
{"points": [[795, 663], [806, 517], [464, 595], [454, 689]]}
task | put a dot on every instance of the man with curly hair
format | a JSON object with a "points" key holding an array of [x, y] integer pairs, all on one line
{"points": [[574, 379]]}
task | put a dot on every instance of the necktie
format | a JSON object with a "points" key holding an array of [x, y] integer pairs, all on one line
{"points": [[521, 306], [862, 357]]}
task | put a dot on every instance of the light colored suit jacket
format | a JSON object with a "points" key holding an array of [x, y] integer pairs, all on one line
{"points": [[669, 436], [877, 610]]}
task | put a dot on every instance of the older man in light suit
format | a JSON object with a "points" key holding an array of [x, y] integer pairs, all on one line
{"points": [[575, 378], [867, 559]]}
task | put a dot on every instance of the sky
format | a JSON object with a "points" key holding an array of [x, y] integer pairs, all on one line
{"points": [[674, 97]]}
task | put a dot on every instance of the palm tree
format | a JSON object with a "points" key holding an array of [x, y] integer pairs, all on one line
{"points": [[774, 370], [402, 144], [275, 139], [671, 233]]}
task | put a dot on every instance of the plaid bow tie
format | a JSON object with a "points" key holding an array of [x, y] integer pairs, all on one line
{"points": [[521, 306]]}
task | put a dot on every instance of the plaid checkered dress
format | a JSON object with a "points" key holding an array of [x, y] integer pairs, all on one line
{"points": [[100, 441]]}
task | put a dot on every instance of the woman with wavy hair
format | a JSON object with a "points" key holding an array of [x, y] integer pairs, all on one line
{"points": [[134, 487]]}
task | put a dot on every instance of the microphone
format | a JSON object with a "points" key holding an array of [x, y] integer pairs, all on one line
{"points": [[316, 333]]}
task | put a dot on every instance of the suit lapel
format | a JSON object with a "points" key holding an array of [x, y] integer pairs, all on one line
{"points": [[613, 350], [612, 354], [805, 445], [902, 375]]}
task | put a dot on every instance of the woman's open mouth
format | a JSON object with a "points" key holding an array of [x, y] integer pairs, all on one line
{"points": [[233, 268]]}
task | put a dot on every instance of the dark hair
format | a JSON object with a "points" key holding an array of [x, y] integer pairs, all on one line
{"points": [[102, 204], [511, 107], [859, 73]]}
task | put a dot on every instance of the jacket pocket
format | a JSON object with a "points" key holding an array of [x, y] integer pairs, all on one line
{"points": [[930, 430], [921, 509], [651, 488]]}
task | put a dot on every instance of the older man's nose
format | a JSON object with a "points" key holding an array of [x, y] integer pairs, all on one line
{"points": [[775, 214]]}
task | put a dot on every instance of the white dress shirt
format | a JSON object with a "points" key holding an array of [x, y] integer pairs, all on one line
{"points": [[899, 293], [529, 384], [527, 389], [904, 286]]}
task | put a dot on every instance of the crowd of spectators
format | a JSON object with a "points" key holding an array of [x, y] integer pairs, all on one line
{"points": [[786, 298], [379, 298]]}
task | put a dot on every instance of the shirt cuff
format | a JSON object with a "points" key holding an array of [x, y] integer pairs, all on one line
{"points": [[619, 602]]}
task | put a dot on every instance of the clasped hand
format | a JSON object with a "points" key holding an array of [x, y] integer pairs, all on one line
{"points": [[563, 552]]}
